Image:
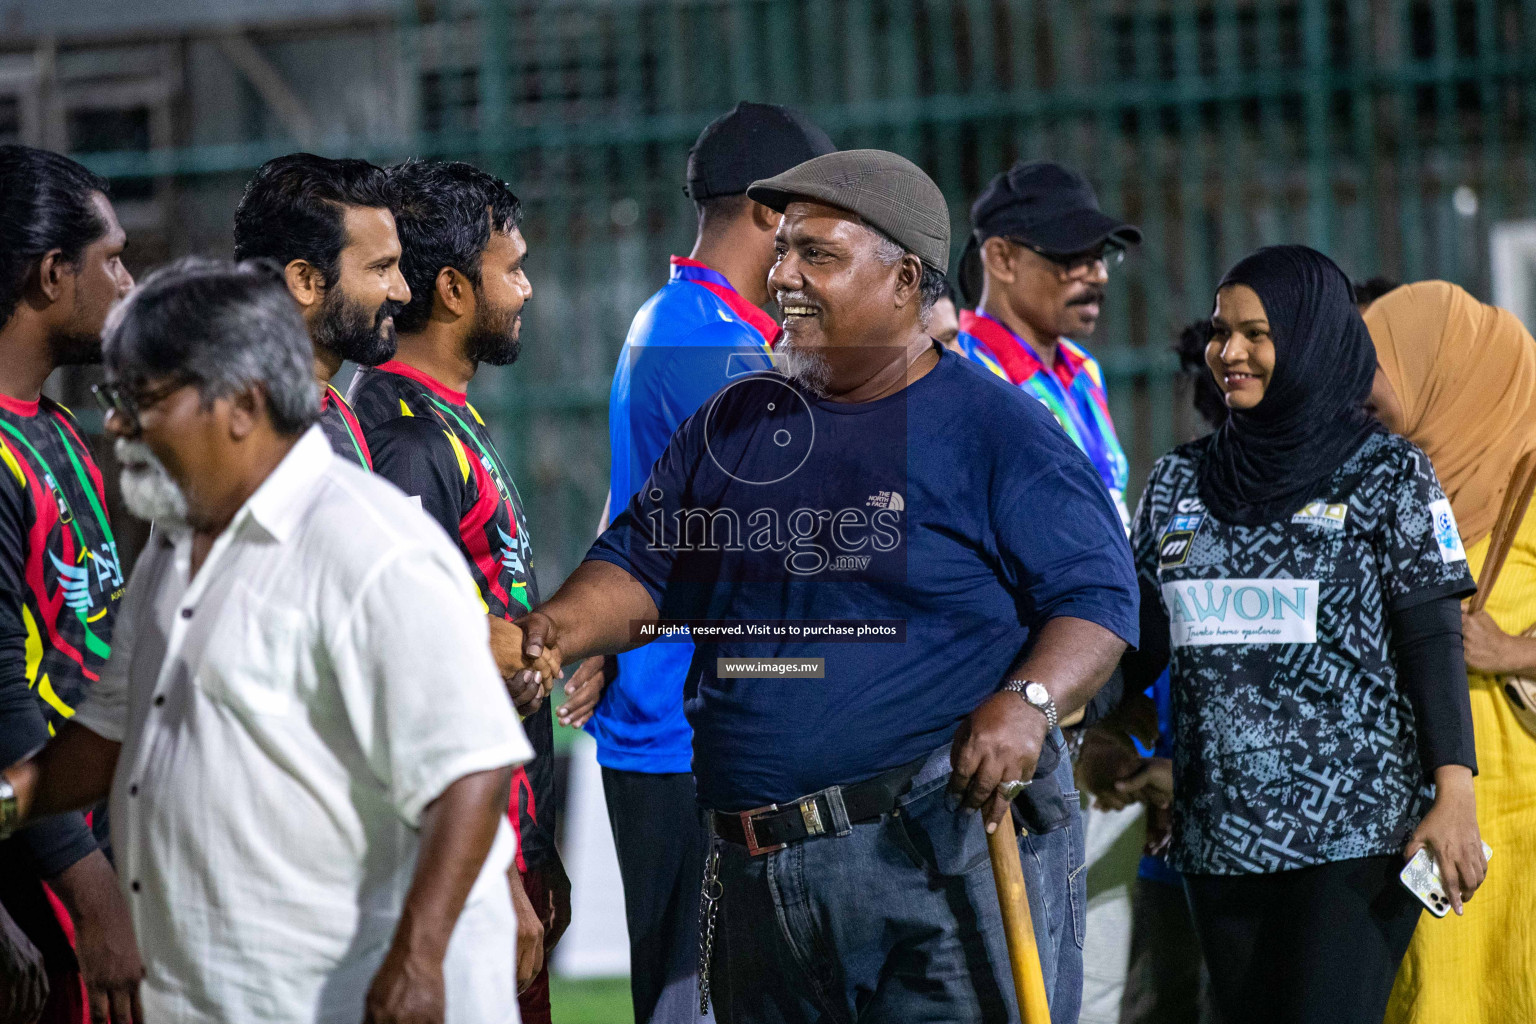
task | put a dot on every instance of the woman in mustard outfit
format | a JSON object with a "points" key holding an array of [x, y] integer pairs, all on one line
{"points": [[1458, 379]]}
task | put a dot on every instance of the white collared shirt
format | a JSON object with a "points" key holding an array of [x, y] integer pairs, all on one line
{"points": [[285, 719]]}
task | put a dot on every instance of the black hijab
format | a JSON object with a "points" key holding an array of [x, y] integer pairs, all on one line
{"points": [[1265, 463]]}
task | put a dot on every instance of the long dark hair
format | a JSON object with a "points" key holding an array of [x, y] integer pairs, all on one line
{"points": [[45, 204]]}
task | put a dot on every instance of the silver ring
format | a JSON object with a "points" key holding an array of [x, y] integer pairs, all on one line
{"points": [[1011, 790]]}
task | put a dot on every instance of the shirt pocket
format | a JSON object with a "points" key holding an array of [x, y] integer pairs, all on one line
{"points": [[256, 660]]}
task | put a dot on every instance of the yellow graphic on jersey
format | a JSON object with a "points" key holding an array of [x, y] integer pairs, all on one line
{"points": [[34, 645], [459, 453], [45, 690], [10, 461]]}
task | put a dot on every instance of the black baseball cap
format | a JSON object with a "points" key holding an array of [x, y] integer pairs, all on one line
{"points": [[1049, 206], [751, 142]]}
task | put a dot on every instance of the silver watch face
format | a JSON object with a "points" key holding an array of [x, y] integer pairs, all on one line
{"points": [[1036, 693]]}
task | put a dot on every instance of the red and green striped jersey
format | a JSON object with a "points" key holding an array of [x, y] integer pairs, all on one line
{"points": [[429, 441], [61, 580], [59, 566]]}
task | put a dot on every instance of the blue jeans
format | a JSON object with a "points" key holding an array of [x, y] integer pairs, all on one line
{"points": [[896, 922]]}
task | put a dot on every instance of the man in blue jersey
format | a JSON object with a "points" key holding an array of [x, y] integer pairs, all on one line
{"points": [[688, 340]]}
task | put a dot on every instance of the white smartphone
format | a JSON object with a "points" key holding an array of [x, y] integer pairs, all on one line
{"points": [[1421, 876]]}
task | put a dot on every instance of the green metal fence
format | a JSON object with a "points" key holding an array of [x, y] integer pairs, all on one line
{"points": [[1390, 133]]}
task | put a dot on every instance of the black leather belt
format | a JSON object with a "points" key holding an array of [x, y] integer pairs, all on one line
{"points": [[834, 809]]}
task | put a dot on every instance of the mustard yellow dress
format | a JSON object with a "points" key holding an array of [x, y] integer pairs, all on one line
{"points": [[1481, 968]]}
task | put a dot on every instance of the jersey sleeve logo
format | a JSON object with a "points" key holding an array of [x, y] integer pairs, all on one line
{"points": [[1447, 537]]}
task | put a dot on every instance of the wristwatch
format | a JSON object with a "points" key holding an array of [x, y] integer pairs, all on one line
{"points": [[9, 812], [1037, 697]]}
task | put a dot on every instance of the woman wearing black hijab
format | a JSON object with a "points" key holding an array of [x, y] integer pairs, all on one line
{"points": [[1301, 576]]}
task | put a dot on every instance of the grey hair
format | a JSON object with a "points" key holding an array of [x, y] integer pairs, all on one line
{"points": [[930, 289], [225, 327]]}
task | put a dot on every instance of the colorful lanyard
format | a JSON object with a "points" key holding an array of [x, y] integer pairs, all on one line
{"points": [[85, 483], [491, 460], [93, 643], [353, 427]]}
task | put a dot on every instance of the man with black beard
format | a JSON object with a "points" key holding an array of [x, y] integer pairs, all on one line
{"points": [[307, 832], [463, 258], [328, 224], [1045, 251], [61, 579]]}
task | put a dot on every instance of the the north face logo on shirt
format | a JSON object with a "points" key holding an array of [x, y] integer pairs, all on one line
{"points": [[1273, 611], [887, 499]]}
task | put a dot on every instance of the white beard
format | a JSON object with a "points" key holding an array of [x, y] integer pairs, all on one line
{"points": [[148, 490], [807, 368]]}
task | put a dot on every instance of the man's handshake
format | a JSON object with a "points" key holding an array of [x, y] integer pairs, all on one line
{"points": [[529, 677]]}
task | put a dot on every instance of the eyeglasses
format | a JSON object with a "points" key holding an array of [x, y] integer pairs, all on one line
{"points": [[1078, 264], [120, 400]]}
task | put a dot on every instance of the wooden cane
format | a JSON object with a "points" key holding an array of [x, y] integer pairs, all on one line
{"points": [[1023, 954]]}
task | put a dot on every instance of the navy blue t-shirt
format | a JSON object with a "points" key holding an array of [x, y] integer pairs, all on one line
{"points": [[957, 508]]}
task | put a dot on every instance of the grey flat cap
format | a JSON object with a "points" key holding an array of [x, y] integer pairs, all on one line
{"points": [[888, 191]]}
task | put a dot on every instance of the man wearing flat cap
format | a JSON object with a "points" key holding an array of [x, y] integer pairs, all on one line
{"points": [[1045, 249], [899, 575], [703, 328]]}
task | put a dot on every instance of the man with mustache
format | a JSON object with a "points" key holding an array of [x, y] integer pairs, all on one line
{"points": [[852, 780], [1045, 250], [61, 580], [307, 833], [464, 258], [327, 223], [704, 328]]}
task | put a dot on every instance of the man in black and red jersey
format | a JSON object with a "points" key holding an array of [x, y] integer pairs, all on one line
{"points": [[463, 258], [60, 574], [328, 224]]}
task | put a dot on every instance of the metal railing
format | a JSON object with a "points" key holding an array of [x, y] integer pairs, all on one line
{"points": [[1390, 133]]}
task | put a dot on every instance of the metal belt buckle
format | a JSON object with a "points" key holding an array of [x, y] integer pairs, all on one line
{"points": [[751, 835]]}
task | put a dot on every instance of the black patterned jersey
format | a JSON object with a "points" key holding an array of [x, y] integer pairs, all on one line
{"points": [[59, 564], [61, 580], [429, 441], [1293, 744]]}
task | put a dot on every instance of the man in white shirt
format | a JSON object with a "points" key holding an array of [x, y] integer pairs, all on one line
{"points": [[305, 737]]}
